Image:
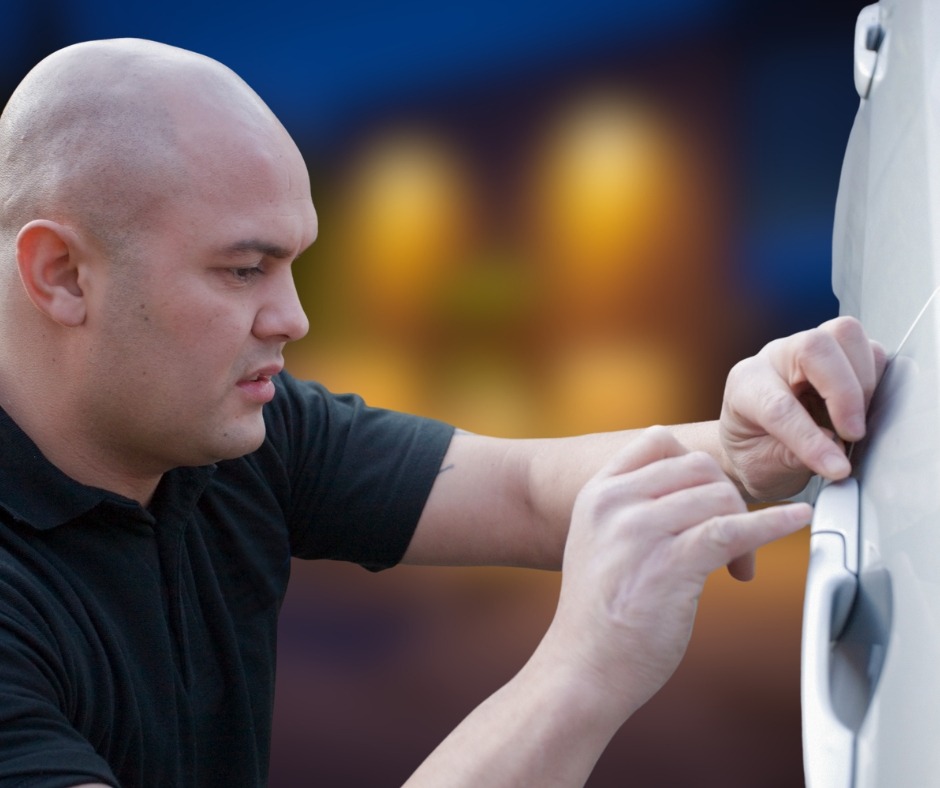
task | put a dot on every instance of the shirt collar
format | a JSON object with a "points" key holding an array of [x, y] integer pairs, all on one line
{"points": [[36, 492]]}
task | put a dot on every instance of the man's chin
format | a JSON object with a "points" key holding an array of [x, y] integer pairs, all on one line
{"points": [[235, 444]]}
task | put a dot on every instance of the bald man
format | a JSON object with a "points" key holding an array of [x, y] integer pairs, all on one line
{"points": [[159, 468]]}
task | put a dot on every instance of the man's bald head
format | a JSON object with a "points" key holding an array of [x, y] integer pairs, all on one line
{"points": [[99, 134]]}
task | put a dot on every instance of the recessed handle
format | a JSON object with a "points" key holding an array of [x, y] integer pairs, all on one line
{"points": [[831, 588]]}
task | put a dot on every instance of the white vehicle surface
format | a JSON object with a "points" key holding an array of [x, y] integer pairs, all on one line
{"points": [[871, 630]]}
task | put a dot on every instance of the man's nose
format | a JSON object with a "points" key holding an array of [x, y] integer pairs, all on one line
{"points": [[282, 314]]}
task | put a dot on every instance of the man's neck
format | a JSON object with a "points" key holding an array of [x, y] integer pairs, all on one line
{"points": [[72, 454]]}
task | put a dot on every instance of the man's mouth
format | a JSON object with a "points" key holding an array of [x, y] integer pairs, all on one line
{"points": [[264, 374], [259, 386]]}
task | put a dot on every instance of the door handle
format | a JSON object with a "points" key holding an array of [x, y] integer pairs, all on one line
{"points": [[869, 35], [831, 588]]}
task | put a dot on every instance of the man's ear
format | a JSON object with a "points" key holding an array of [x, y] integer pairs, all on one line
{"points": [[46, 254]]}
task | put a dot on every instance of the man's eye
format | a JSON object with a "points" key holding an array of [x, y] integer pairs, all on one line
{"points": [[246, 274]]}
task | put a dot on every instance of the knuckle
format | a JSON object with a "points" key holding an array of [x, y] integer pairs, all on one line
{"points": [[728, 498], [844, 327], [721, 534], [660, 436], [816, 342], [741, 370], [701, 463], [596, 491], [778, 406], [774, 347], [602, 496]]}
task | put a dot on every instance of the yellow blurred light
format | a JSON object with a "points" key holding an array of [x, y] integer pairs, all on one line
{"points": [[406, 223], [602, 193]]}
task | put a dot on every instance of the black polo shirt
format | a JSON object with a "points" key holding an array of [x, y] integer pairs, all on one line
{"points": [[137, 646]]}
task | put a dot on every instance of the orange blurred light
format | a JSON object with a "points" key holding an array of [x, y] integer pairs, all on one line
{"points": [[616, 385]]}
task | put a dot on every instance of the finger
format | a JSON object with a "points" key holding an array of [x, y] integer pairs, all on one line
{"points": [[665, 476], [650, 446], [780, 413], [867, 359], [881, 360], [743, 567], [867, 356], [860, 350], [818, 359], [687, 508], [720, 540]]}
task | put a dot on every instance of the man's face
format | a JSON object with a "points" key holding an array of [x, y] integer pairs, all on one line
{"points": [[191, 325]]}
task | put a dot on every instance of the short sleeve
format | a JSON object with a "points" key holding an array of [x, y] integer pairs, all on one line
{"points": [[357, 477], [39, 746]]}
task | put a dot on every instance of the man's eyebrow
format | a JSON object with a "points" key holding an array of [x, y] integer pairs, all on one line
{"points": [[257, 246]]}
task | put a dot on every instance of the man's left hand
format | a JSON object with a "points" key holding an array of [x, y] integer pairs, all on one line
{"points": [[790, 411]]}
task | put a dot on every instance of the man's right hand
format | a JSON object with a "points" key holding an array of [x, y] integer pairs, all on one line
{"points": [[646, 532]]}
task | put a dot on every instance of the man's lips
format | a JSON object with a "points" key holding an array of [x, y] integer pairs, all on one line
{"points": [[263, 373], [259, 385]]}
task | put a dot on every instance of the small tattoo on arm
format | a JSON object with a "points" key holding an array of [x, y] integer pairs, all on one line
{"points": [[451, 466]]}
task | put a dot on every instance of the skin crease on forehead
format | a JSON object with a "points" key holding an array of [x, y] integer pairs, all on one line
{"points": [[168, 174]]}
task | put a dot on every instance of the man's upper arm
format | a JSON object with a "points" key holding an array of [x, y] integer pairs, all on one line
{"points": [[35, 736], [480, 510]]}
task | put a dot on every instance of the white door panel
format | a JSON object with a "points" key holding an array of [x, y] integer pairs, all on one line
{"points": [[871, 688], [871, 677], [898, 471], [886, 240]]}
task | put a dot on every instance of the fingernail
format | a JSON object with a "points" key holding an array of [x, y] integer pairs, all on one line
{"points": [[835, 465], [802, 513], [855, 427]]}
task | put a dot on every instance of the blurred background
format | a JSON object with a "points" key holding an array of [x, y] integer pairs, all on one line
{"points": [[536, 219]]}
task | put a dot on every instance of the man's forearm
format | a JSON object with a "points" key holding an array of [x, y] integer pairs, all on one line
{"points": [[509, 502]]}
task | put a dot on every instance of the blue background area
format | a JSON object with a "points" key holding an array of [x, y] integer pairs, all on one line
{"points": [[328, 69]]}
